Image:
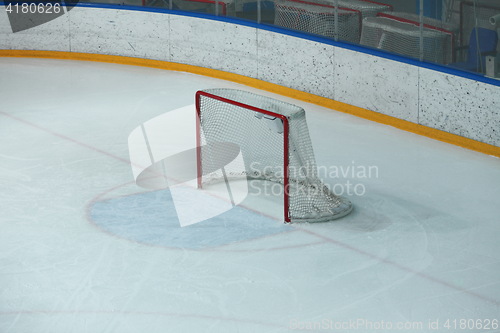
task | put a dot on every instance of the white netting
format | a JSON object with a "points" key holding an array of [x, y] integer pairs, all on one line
{"points": [[404, 38], [319, 19], [367, 8], [261, 142], [451, 29], [214, 7]]}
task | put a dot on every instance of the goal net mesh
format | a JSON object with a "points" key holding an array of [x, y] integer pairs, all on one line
{"points": [[367, 8], [338, 19], [262, 141], [405, 38], [318, 18]]}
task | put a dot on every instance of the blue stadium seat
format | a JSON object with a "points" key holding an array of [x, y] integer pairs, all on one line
{"points": [[482, 42]]}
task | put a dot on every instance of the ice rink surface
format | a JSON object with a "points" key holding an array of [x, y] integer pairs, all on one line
{"points": [[84, 249]]}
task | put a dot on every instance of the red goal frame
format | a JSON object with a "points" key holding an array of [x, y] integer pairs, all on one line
{"points": [[286, 148], [428, 26]]}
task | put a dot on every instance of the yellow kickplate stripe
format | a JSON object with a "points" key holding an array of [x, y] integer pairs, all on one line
{"points": [[271, 87]]}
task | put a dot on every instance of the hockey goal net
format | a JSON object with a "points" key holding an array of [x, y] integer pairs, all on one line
{"points": [[339, 19], [403, 36], [366, 7], [274, 141], [319, 19]]}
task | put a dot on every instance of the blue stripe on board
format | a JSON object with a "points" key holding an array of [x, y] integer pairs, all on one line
{"points": [[303, 35], [150, 218]]}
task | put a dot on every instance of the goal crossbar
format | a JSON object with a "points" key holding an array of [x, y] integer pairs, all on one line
{"points": [[274, 143], [283, 118]]}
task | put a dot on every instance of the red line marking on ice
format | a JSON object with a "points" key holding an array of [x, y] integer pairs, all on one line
{"points": [[324, 238], [64, 137], [220, 248], [401, 267]]}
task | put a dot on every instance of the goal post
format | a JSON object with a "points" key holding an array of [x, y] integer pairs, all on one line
{"points": [[403, 36], [274, 141]]}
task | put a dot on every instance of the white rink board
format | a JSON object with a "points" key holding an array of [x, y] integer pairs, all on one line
{"points": [[51, 36], [120, 32], [214, 44], [460, 106], [303, 65], [419, 95], [420, 245], [376, 84]]}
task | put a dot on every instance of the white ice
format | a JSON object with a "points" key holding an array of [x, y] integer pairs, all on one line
{"points": [[421, 249]]}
